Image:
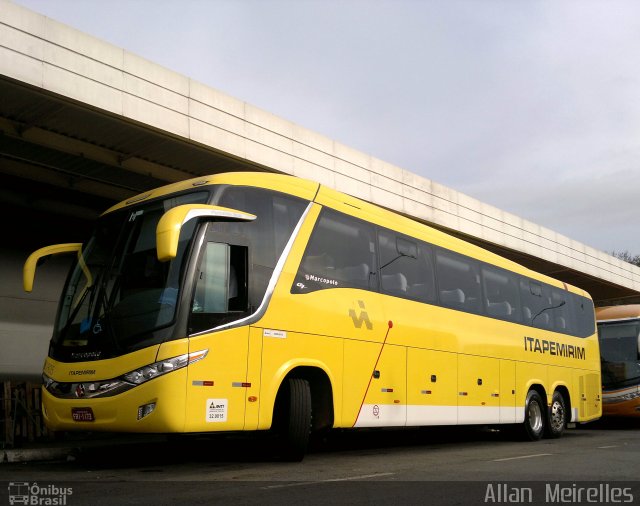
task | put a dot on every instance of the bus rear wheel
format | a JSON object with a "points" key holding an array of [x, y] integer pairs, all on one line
{"points": [[557, 416], [294, 419], [534, 416]]}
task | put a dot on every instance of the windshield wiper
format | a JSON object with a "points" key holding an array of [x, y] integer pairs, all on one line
{"points": [[78, 305]]}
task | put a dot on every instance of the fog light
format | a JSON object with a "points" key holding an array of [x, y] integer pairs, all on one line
{"points": [[145, 410]]}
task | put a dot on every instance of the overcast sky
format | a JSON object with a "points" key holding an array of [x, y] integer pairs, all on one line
{"points": [[531, 106]]}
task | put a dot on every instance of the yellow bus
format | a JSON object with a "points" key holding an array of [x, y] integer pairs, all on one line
{"points": [[619, 335], [248, 301]]}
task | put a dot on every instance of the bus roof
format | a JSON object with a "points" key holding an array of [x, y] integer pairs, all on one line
{"points": [[302, 188], [618, 312]]}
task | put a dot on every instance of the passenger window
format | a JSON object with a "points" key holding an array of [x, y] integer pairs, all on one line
{"points": [[583, 311], [458, 281], [536, 304], [501, 295], [551, 308], [341, 254], [406, 267], [561, 313]]}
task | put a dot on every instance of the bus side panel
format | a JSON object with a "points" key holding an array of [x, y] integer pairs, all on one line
{"points": [[589, 387], [385, 402], [508, 410], [478, 390], [432, 383], [359, 362]]}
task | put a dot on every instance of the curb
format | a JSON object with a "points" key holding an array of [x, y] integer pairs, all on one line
{"points": [[35, 454]]}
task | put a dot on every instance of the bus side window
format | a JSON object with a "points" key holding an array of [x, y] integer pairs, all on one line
{"points": [[584, 316], [536, 304], [563, 317], [501, 295], [406, 267], [341, 254], [458, 281]]}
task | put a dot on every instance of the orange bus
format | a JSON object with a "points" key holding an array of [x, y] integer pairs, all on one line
{"points": [[619, 335]]}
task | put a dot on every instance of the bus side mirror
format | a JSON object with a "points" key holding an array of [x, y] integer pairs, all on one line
{"points": [[171, 223], [29, 269]]}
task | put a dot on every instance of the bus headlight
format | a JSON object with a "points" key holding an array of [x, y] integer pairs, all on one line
{"points": [[151, 371]]}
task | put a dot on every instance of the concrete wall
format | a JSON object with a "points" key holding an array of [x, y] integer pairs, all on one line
{"points": [[26, 319]]}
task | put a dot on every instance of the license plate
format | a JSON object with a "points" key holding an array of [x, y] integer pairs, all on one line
{"points": [[82, 415]]}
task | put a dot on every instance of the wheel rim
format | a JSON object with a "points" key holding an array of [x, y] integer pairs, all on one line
{"points": [[557, 416], [535, 417]]}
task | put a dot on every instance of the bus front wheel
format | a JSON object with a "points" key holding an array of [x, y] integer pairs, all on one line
{"points": [[294, 419], [534, 416]]}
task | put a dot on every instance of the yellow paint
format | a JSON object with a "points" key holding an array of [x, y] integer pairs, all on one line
{"points": [[29, 269]]}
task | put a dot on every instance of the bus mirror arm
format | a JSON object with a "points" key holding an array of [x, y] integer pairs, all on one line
{"points": [[171, 223], [29, 269]]}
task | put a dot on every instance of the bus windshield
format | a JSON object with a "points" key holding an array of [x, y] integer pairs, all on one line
{"points": [[118, 292], [619, 352]]}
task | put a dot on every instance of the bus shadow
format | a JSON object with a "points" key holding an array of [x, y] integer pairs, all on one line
{"points": [[154, 452], [378, 439]]}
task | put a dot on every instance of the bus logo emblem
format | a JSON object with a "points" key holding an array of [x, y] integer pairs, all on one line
{"points": [[358, 320]]}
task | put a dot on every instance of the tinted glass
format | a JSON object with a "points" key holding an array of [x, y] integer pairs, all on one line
{"points": [[458, 281], [619, 352], [536, 304], [502, 298], [584, 316], [119, 294], [220, 294], [276, 217], [340, 254], [561, 314], [406, 267]]}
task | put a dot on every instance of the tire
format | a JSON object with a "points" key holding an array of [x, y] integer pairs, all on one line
{"points": [[557, 416], [534, 416], [294, 425]]}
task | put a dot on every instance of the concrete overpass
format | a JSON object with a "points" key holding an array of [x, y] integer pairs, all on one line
{"points": [[84, 123]]}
